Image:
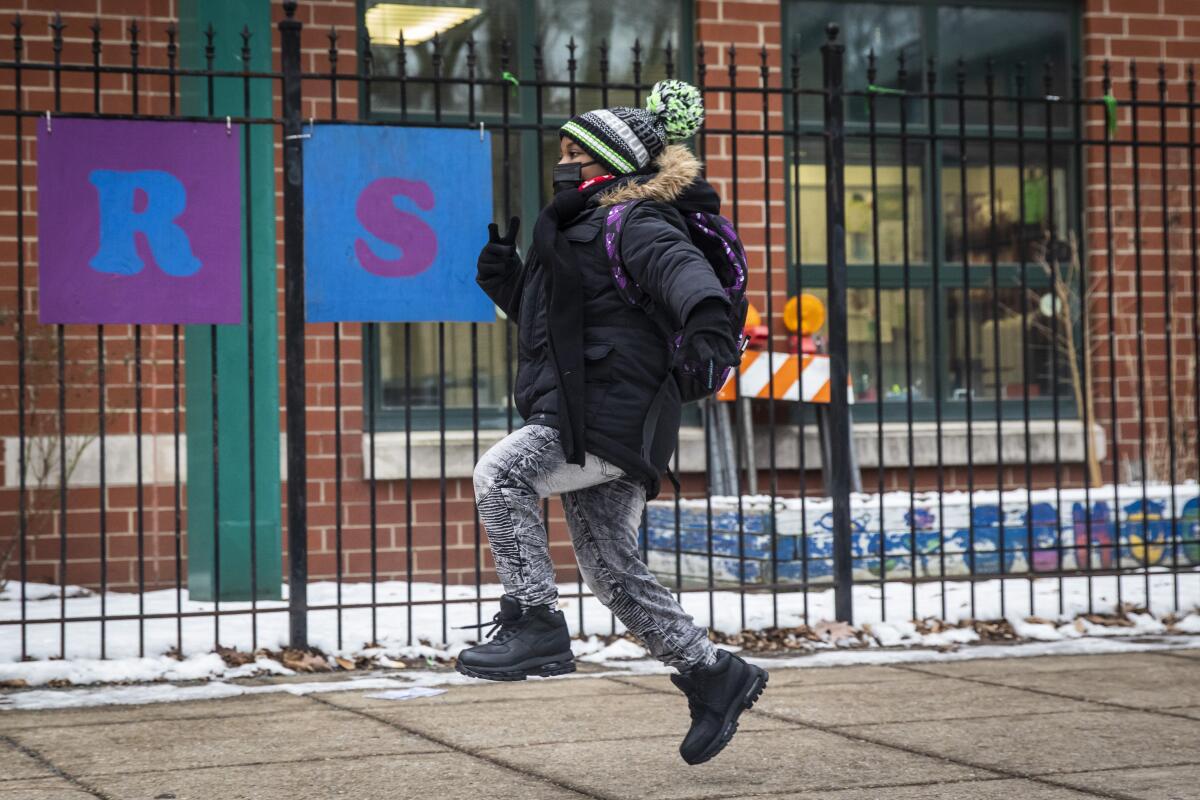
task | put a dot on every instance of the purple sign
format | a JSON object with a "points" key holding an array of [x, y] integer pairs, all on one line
{"points": [[139, 222]]}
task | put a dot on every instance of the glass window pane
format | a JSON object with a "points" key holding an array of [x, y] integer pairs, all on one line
{"points": [[901, 330], [422, 385], [885, 207], [887, 29], [1022, 205], [487, 21], [1008, 37], [1005, 327], [652, 24]]}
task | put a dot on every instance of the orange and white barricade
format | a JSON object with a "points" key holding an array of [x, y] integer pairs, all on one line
{"points": [[800, 378]]}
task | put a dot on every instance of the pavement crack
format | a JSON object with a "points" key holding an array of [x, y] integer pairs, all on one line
{"points": [[1048, 693], [975, 716], [57, 770], [466, 751], [859, 737], [869, 787], [1173, 654], [247, 764], [1122, 768]]}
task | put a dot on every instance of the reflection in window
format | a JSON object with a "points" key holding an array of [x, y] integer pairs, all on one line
{"points": [[421, 386], [651, 24], [1005, 325], [495, 20], [863, 207], [888, 30], [903, 340], [1022, 203], [1012, 40]]}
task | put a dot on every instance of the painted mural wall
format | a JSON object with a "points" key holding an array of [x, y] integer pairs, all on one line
{"points": [[898, 535]]}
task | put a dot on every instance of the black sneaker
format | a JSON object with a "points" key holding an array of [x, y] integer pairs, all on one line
{"points": [[533, 642], [717, 696]]}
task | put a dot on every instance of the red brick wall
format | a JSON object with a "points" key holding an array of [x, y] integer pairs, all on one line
{"points": [[1152, 33]]}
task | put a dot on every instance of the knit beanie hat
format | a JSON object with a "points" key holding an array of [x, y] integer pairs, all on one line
{"points": [[627, 140]]}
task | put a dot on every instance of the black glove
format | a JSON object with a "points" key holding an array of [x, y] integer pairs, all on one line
{"points": [[499, 255], [708, 346]]}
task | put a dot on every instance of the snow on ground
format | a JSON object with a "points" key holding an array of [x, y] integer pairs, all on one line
{"points": [[413, 683], [1043, 609]]}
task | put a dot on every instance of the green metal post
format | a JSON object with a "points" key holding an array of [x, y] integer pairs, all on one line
{"points": [[235, 441]]}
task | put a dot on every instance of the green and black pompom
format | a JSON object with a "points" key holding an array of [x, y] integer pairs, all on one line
{"points": [[679, 106]]}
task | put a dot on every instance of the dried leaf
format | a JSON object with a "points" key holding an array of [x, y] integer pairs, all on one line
{"points": [[234, 658], [13, 683], [994, 630], [384, 661], [345, 663], [835, 631], [304, 661]]}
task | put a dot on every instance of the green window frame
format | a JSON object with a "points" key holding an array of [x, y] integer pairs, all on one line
{"points": [[533, 155], [934, 189]]}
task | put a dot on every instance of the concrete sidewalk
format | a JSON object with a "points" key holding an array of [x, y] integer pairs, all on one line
{"points": [[1123, 726]]}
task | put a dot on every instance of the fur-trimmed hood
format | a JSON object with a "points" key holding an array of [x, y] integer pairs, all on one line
{"points": [[677, 173]]}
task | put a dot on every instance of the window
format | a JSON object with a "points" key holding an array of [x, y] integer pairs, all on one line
{"points": [[926, 225], [469, 367]]}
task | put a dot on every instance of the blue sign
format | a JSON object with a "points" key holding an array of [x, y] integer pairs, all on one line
{"points": [[394, 219]]}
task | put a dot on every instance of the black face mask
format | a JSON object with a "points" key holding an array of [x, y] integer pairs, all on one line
{"points": [[568, 176]]}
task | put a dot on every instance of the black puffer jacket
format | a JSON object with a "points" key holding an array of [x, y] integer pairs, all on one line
{"points": [[625, 349]]}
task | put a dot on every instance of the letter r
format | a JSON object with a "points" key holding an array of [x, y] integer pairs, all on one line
{"points": [[166, 199]]}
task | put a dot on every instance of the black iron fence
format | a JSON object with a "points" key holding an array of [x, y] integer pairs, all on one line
{"points": [[1010, 273]]}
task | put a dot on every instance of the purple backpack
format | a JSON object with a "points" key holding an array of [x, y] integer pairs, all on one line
{"points": [[714, 236]]}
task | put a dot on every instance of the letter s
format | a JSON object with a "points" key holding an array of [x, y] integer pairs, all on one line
{"points": [[377, 212]]}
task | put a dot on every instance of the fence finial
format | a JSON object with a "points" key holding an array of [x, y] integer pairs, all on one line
{"points": [[831, 32], [57, 25], [289, 8], [18, 44]]}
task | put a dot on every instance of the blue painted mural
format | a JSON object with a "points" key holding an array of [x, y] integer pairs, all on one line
{"points": [[905, 539]]}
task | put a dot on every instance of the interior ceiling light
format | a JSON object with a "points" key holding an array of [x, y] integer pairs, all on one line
{"points": [[419, 23]]}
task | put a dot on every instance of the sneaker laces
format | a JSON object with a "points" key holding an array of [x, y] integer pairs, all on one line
{"points": [[504, 627], [696, 706]]}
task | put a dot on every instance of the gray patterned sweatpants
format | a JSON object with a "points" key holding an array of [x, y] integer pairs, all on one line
{"points": [[604, 510]]}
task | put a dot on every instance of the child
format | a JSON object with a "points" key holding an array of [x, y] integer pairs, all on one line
{"points": [[601, 407]]}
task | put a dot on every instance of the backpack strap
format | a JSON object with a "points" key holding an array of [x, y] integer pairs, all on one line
{"points": [[614, 223]]}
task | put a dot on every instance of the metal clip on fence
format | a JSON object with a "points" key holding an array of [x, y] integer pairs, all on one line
{"points": [[1110, 113], [885, 90], [302, 135]]}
